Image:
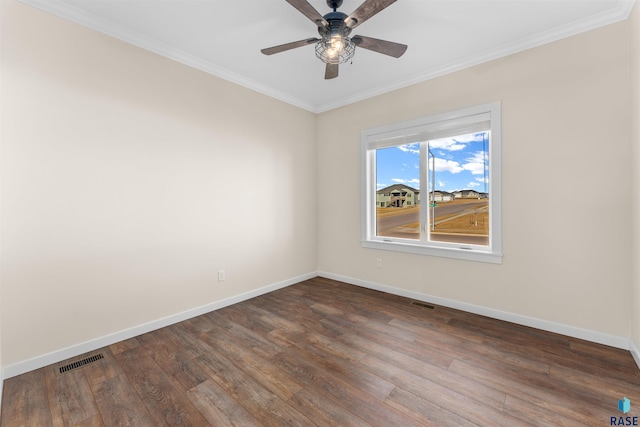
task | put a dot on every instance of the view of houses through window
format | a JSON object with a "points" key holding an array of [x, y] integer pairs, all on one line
{"points": [[452, 172]]}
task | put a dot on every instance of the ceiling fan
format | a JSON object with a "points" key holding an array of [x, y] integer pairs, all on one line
{"points": [[335, 46]]}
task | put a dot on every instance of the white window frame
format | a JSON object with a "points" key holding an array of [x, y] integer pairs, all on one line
{"points": [[428, 128]]}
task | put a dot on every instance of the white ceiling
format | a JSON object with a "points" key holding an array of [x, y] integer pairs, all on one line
{"points": [[224, 38]]}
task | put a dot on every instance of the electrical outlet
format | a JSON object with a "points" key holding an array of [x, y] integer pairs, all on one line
{"points": [[378, 262], [222, 275]]}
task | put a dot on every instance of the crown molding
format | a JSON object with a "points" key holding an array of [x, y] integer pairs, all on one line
{"points": [[619, 13], [92, 22]]}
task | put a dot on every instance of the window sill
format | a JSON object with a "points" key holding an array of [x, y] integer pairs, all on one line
{"points": [[463, 254]]}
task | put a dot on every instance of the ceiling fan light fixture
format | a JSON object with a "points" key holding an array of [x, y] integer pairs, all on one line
{"points": [[334, 46], [335, 49]]}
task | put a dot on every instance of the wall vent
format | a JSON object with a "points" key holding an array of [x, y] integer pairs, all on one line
{"points": [[80, 363], [423, 305]]}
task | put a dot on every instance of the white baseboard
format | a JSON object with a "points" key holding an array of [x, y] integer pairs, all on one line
{"points": [[92, 345], [1, 388], [634, 352], [572, 331]]}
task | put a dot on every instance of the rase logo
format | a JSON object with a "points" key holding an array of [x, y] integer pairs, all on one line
{"points": [[624, 406]]}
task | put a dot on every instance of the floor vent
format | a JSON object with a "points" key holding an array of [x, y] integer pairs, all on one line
{"points": [[80, 363], [423, 305]]}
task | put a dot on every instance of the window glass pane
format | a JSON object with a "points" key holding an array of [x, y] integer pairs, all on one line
{"points": [[458, 169], [432, 186], [398, 191]]}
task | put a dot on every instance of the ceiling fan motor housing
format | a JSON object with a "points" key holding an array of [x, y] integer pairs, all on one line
{"points": [[336, 27], [335, 47]]}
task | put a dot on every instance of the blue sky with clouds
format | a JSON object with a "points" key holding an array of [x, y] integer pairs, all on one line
{"points": [[460, 163]]}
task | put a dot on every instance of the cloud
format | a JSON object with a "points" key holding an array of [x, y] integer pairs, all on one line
{"points": [[456, 143], [410, 148], [475, 163], [406, 181], [480, 181], [471, 137], [448, 144], [441, 184], [444, 165]]}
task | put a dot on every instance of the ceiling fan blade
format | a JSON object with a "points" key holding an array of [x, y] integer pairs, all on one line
{"points": [[288, 46], [381, 46], [331, 71], [307, 10], [366, 11]]}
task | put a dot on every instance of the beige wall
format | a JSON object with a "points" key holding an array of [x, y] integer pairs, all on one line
{"points": [[635, 167], [128, 180], [565, 145]]}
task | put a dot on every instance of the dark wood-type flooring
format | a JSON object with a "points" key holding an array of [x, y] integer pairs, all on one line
{"points": [[327, 353]]}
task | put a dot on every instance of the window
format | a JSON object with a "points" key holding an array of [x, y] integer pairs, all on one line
{"points": [[432, 186]]}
